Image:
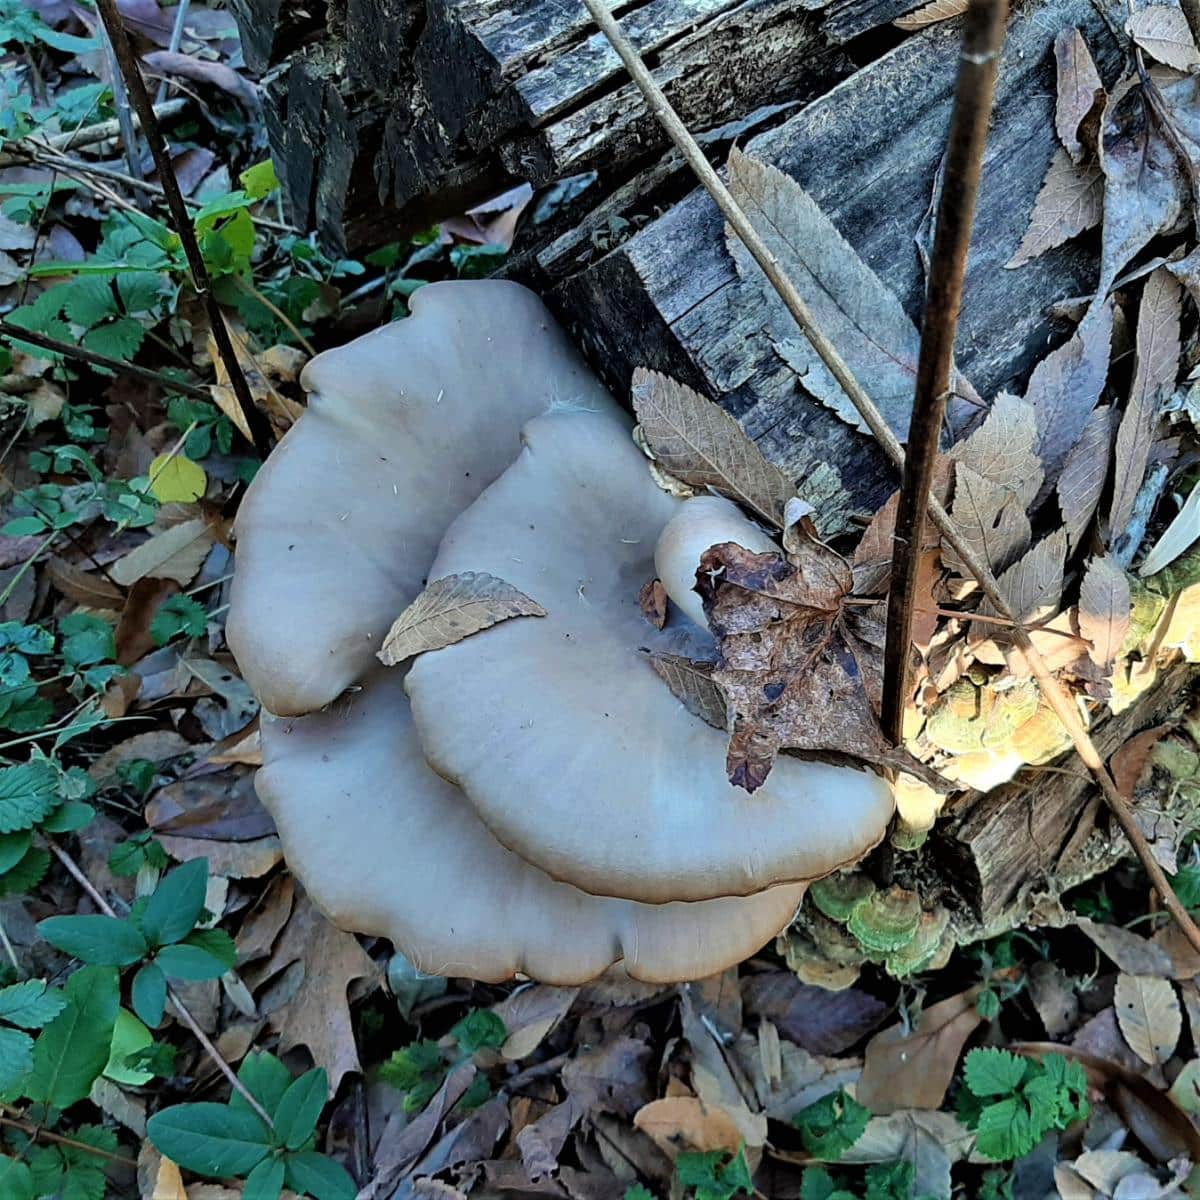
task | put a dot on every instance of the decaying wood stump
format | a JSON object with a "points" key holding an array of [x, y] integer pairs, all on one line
{"points": [[387, 113]]}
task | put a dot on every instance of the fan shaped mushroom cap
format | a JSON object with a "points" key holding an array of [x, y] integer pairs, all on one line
{"points": [[404, 428], [575, 754], [392, 849], [701, 522]]}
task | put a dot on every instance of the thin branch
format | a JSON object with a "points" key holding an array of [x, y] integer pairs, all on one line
{"points": [[69, 350], [173, 47], [979, 62], [1063, 706], [256, 421], [124, 116], [76, 872], [88, 135], [44, 1135]]}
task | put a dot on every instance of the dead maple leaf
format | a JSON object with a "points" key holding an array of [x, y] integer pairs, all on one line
{"points": [[1080, 94], [912, 1068], [699, 442], [450, 609], [796, 671], [318, 1016]]}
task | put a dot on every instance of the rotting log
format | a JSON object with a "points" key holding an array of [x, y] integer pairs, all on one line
{"points": [[476, 93]]}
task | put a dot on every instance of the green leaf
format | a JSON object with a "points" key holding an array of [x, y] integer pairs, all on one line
{"points": [[104, 941], [69, 817], [1005, 1130], [73, 1049], [829, 1127], [478, 1029], [216, 943], [890, 1181], [185, 961], [174, 907], [27, 874], [300, 1107], [30, 1004], [637, 1192], [28, 793], [16, 1057], [712, 1178], [265, 1182], [818, 1184], [993, 1072], [47, 1166], [120, 339], [178, 615], [266, 1079], [89, 300], [24, 527], [86, 640], [85, 1178], [16, 1180], [319, 1176], [13, 847], [210, 1139], [259, 180]]}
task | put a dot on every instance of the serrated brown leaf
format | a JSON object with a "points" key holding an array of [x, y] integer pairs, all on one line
{"points": [[1084, 472], [1065, 387], [849, 302], [698, 442], [692, 684], [907, 1067], [450, 609], [1002, 448], [1155, 369], [1071, 200], [990, 520], [796, 672], [1145, 193], [653, 602], [1033, 584], [1104, 608], [931, 14], [1162, 31], [1080, 91], [1149, 1015]]}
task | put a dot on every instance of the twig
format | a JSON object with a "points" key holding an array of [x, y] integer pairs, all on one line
{"points": [[75, 871], [979, 61], [1053, 692], [89, 135], [173, 46], [44, 1135], [124, 116], [246, 286], [256, 421], [68, 350]]}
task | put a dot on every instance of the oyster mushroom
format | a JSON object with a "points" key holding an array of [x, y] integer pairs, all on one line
{"points": [[577, 760], [336, 536]]}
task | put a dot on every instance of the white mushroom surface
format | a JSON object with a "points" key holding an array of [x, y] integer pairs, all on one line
{"points": [[571, 750], [404, 428], [387, 847]]}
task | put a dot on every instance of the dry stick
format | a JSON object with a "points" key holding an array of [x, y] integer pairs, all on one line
{"points": [[68, 350], [76, 873], [979, 61], [1059, 701], [87, 135], [44, 1135], [256, 421]]}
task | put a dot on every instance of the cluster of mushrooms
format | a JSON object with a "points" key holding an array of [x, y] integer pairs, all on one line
{"points": [[532, 800]]}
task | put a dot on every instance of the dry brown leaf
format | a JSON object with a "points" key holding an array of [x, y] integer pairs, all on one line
{"points": [[692, 684], [262, 371], [653, 603], [1080, 94], [1104, 609], [1155, 369], [682, 1124], [319, 1016], [1033, 585], [132, 635], [1002, 449], [176, 553], [529, 1015], [1131, 953], [158, 1178], [82, 586], [699, 442], [1162, 31], [797, 673], [1053, 994], [1071, 200], [931, 14], [854, 308], [1065, 387], [237, 860], [1149, 1015], [913, 1069], [266, 920], [451, 609], [931, 1141], [1130, 762], [1084, 472], [990, 520]]}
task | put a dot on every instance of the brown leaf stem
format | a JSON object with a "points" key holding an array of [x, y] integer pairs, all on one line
{"points": [[1062, 705], [76, 872], [69, 350], [979, 61], [256, 420], [45, 1135]]}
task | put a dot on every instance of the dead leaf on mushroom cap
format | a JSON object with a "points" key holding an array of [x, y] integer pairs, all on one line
{"points": [[453, 608], [798, 673]]}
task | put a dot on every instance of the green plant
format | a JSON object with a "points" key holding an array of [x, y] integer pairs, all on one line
{"points": [[831, 1125], [715, 1175], [881, 1181], [1011, 1102]]}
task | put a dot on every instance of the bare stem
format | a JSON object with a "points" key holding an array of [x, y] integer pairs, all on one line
{"points": [[44, 1135], [76, 872], [979, 61], [256, 421], [1056, 697]]}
